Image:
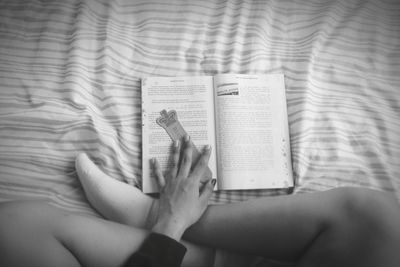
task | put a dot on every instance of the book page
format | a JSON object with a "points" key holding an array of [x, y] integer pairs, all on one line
{"points": [[193, 102], [252, 132]]}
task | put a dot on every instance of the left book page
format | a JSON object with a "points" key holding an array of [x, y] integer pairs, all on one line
{"points": [[193, 101]]}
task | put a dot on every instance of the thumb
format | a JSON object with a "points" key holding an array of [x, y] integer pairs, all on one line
{"points": [[207, 191]]}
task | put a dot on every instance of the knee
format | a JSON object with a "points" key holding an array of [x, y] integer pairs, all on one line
{"points": [[367, 226], [367, 209], [360, 229]]}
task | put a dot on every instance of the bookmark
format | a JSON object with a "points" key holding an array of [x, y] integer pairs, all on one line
{"points": [[169, 121]]}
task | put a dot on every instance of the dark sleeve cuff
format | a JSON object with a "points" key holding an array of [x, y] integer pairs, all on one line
{"points": [[158, 251]]}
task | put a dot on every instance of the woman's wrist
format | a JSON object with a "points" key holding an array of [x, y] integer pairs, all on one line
{"points": [[170, 227]]}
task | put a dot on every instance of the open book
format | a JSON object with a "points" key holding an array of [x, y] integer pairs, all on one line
{"points": [[243, 118]]}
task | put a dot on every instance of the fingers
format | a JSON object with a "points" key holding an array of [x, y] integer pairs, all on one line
{"points": [[182, 162], [175, 158], [186, 161], [207, 191], [175, 162], [157, 171], [202, 163]]}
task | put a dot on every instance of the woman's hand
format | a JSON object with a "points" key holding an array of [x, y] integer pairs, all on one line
{"points": [[181, 201]]}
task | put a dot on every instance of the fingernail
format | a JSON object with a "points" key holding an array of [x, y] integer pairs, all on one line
{"points": [[207, 148], [153, 161], [187, 138], [213, 182]]}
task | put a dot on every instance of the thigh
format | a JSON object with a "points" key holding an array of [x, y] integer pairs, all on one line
{"points": [[286, 227], [26, 239], [37, 234]]}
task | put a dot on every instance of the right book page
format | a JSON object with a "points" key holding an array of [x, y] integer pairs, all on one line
{"points": [[253, 145]]}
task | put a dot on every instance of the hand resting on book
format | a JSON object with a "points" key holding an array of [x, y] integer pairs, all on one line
{"points": [[181, 202]]}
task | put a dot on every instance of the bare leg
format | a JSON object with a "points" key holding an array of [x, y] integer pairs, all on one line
{"points": [[113, 199], [320, 228], [37, 234]]}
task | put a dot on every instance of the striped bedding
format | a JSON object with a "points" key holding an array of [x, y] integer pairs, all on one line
{"points": [[70, 76]]}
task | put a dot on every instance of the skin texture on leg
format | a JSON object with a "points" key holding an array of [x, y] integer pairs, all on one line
{"points": [[26, 238], [111, 198], [342, 227], [366, 233], [298, 228], [37, 234], [123, 203]]}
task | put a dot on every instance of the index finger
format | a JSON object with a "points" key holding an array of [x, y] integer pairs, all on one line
{"points": [[186, 158], [202, 164]]}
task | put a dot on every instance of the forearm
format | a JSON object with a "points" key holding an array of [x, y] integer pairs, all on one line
{"points": [[169, 227]]}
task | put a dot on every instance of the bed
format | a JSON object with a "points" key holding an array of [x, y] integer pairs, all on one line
{"points": [[70, 75]]}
